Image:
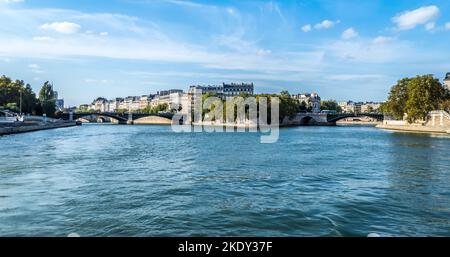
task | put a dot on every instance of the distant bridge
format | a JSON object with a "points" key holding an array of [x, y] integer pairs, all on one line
{"points": [[122, 118], [298, 119], [326, 118], [333, 117]]}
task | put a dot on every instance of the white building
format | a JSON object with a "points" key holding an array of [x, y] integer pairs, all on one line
{"points": [[359, 107], [173, 100], [145, 101], [131, 103], [114, 104], [170, 97], [447, 80], [100, 104], [370, 107], [224, 90], [312, 101]]}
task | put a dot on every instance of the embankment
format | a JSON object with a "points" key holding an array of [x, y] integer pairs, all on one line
{"points": [[29, 127]]}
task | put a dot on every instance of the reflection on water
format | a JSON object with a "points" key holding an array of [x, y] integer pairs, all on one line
{"points": [[148, 181]]}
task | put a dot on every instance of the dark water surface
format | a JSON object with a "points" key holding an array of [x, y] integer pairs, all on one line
{"points": [[114, 180]]}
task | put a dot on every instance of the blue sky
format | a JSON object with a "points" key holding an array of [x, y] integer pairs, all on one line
{"points": [[343, 50]]}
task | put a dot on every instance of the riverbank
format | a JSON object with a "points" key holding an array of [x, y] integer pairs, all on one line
{"points": [[415, 128], [15, 128]]}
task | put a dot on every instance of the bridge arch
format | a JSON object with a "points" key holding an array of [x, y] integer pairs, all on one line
{"points": [[123, 118], [338, 117], [97, 117], [153, 119], [308, 120]]}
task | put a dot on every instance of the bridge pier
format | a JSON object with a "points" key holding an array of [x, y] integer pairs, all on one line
{"points": [[130, 118]]}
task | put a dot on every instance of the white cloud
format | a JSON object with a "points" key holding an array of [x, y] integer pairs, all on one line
{"points": [[230, 10], [364, 51], [307, 28], [349, 34], [11, 1], [447, 25], [42, 39], [410, 19], [382, 40], [262, 52], [430, 26], [98, 81], [326, 24], [35, 68], [103, 34], [62, 27], [356, 77], [232, 57]]}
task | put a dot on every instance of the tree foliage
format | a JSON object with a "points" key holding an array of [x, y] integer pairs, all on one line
{"points": [[425, 94], [11, 92], [159, 108], [47, 99], [398, 96], [330, 105], [416, 97]]}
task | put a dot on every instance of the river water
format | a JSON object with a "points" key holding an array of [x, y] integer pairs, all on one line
{"points": [[118, 180]]}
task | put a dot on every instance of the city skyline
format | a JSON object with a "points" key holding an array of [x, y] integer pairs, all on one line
{"points": [[342, 50]]}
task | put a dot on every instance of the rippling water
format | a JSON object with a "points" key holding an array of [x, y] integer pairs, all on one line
{"points": [[114, 180]]}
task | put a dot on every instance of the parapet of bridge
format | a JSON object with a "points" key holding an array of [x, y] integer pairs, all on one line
{"points": [[125, 118], [307, 119], [325, 119]]}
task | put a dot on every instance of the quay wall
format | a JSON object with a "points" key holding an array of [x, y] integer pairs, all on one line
{"points": [[436, 122], [34, 127]]}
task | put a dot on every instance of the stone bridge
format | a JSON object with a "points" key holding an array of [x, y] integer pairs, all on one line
{"points": [[326, 118], [122, 118]]}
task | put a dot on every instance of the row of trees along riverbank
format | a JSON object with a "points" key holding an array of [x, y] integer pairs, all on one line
{"points": [[12, 92], [416, 97], [288, 106]]}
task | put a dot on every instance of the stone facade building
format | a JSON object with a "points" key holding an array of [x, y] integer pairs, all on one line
{"points": [[312, 101], [224, 90], [447, 80]]}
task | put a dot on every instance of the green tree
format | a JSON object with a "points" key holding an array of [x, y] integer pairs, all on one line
{"points": [[398, 96], [288, 105], [12, 93], [425, 94], [47, 99], [38, 110], [6, 91], [13, 107], [147, 109], [303, 107], [330, 105], [29, 100], [160, 108], [445, 105]]}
